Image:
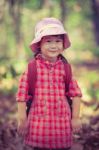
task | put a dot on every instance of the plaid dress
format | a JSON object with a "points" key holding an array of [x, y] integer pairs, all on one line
{"points": [[49, 117]]}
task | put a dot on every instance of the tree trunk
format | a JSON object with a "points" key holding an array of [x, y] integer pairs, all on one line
{"points": [[2, 9], [63, 10], [14, 9], [95, 10], [46, 3]]}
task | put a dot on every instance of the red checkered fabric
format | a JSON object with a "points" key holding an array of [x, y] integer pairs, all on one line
{"points": [[49, 117]]}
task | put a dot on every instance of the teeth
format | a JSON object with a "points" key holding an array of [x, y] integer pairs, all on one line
{"points": [[52, 51]]}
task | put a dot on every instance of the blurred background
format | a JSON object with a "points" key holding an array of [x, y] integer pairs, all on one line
{"points": [[81, 20]]}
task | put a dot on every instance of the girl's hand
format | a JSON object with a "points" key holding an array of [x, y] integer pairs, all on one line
{"points": [[23, 126], [76, 125]]}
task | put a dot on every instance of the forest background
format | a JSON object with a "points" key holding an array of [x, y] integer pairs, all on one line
{"points": [[81, 20]]}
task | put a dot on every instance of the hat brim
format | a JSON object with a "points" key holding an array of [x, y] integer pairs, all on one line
{"points": [[51, 31]]}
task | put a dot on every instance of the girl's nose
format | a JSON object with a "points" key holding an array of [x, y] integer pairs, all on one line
{"points": [[53, 44]]}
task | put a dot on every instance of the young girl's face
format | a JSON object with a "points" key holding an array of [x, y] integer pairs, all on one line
{"points": [[51, 46]]}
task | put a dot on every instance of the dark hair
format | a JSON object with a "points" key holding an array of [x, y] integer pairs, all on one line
{"points": [[38, 51]]}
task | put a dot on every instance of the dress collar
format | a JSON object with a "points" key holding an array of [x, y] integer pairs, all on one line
{"points": [[43, 60]]}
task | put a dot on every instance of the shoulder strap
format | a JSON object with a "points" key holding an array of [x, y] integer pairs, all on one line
{"points": [[32, 76], [68, 76], [68, 73]]}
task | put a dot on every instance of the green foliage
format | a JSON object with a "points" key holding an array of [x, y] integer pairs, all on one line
{"points": [[79, 25], [95, 51], [33, 4], [92, 85]]}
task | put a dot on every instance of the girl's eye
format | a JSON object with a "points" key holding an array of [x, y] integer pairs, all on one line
{"points": [[48, 41], [58, 40]]}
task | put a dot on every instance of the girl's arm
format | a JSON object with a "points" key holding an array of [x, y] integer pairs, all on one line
{"points": [[21, 97], [76, 122], [75, 94], [75, 107], [21, 110], [22, 118]]}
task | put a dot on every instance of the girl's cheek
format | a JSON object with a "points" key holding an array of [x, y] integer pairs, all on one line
{"points": [[61, 46]]}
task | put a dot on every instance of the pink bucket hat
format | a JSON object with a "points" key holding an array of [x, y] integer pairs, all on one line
{"points": [[49, 26]]}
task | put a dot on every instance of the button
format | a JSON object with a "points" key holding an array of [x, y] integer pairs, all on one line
{"points": [[51, 83], [51, 70], [51, 91], [51, 65]]}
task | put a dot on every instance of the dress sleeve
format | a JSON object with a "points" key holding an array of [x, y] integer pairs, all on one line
{"points": [[74, 89], [22, 93]]}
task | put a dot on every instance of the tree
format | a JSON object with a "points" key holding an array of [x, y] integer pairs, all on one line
{"points": [[15, 13], [95, 13], [63, 10], [2, 5]]}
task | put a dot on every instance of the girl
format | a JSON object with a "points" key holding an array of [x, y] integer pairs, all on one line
{"points": [[49, 124]]}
